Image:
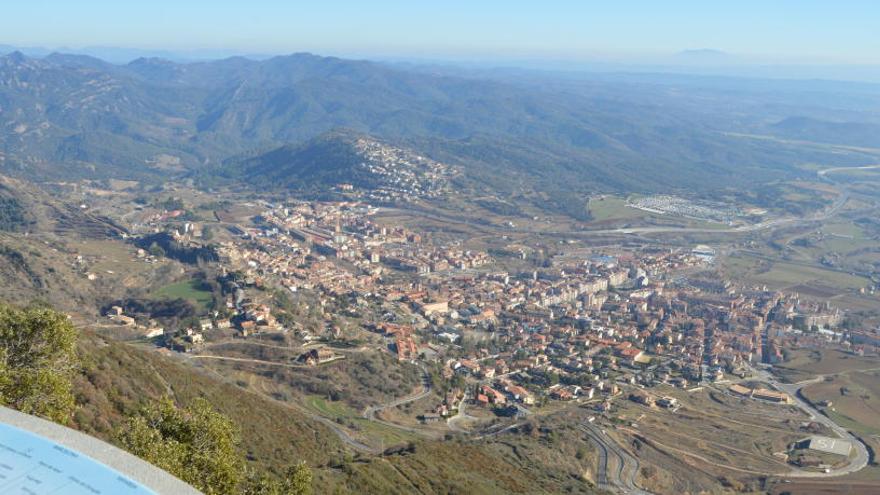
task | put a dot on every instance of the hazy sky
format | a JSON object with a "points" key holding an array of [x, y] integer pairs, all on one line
{"points": [[795, 30]]}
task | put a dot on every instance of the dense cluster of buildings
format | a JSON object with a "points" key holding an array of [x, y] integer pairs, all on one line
{"points": [[676, 206], [396, 174], [335, 248], [580, 326]]}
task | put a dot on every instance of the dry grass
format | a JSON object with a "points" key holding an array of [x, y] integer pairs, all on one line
{"points": [[721, 434], [855, 399]]}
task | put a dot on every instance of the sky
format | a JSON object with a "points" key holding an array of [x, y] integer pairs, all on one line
{"points": [[787, 31]]}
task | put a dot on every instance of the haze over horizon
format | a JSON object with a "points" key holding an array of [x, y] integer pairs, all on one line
{"points": [[635, 32]]}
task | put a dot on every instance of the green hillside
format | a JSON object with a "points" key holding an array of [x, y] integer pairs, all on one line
{"points": [[117, 380]]}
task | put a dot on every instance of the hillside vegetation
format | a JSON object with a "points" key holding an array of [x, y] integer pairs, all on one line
{"points": [[188, 421], [81, 117], [119, 380]]}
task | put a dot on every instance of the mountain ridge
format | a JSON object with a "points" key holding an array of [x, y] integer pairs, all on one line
{"points": [[75, 117]]}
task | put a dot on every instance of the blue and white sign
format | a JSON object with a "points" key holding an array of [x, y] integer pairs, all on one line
{"points": [[33, 465]]}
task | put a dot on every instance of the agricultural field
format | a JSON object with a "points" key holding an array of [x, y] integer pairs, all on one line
{"points": [[193, 291], [854, 398], [841, 237], [606, 208], [614, 211], [109, 257], [777, 274], [858, 175], [836, 486], [805, 364], [784, 275]]}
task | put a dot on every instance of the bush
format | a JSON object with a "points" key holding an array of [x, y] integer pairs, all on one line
{"points": [[37, 362], [201, 447]]}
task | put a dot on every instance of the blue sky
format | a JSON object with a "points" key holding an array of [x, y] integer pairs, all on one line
{"points": [[840, 31]]}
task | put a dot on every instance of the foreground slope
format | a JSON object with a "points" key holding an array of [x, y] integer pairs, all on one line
{"points": [[117, 379]]}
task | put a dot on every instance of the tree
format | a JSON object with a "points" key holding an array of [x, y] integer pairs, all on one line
{"points": [[156, 250], [297, 481], [201, 447], [37, 361], [196, 444]]}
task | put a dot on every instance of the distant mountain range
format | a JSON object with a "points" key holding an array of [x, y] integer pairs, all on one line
{"points": [[849, 133], [72, 116]]}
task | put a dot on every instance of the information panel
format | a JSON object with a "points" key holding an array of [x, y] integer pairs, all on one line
{"points": [[33, 465]]}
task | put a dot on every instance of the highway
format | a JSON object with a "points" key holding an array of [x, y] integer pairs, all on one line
{"points": [[617, 469], [765, 225], [823, 173]]}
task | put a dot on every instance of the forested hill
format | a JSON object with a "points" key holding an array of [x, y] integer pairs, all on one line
{"points": [[73, 116]]}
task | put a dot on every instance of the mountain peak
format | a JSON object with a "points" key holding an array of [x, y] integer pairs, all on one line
{"points": [[15, 57], [72, 60]]}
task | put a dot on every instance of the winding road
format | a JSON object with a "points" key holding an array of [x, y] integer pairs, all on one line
{"points": [[260, 361], [856, 463], [370, 412], [460, 415], [622, 477]]}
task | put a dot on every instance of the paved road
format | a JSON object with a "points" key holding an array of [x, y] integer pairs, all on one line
{"points": [[823, 173], [766, 225], [342, 434], [370, 412], [856, 463], [245, 360], [461, 415], [621, 478]]}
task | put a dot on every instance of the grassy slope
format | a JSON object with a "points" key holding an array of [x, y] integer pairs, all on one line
{"points": [[190, 290], [117, 379]]}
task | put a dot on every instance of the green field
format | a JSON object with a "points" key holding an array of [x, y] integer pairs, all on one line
{"points": [[787, 274], [844, 228], [612, 208], [329, 409], [782, 274], [190, 290], [842, 237]]}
